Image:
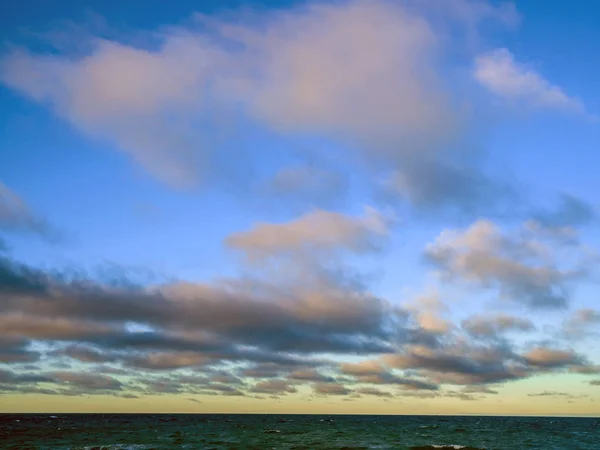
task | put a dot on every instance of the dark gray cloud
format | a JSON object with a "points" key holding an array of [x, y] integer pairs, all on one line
{"points": [[478, 364], [210, 338], [87, 381], [475, 389], [374, 391], [346, 321], [7, 376], [86, 354], [391, 379], [331, 389], [570, 211], [58, 383], [16, 350], [295, 369], [222, 389], [435, 185], [309, 375], [555, 394], [495, 325], [274, 386]]}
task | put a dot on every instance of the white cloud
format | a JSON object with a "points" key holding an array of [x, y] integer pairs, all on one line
{"points": [[359, 72], [522, 266], [503, 76], [317, 231], [428, 310]]}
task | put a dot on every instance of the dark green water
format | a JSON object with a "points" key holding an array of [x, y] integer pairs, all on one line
{"points": [[212, 431]]}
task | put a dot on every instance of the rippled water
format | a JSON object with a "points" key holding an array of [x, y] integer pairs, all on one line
{"points": [[211, 431]]}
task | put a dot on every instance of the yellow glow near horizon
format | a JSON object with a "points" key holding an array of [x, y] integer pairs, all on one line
{"points": [[494, 405]]}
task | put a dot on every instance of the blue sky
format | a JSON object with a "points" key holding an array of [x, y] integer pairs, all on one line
{"points": [[389, 182]]}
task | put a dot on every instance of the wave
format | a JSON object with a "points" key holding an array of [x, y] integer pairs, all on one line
{"points": [[445, 447]]}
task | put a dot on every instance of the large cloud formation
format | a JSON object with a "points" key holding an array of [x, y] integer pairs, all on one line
{"points": [[362, 76], [252, 336]]}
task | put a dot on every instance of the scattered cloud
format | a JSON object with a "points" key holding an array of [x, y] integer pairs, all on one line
{"points": [[522, 267], [317, 231], [557, 395]]}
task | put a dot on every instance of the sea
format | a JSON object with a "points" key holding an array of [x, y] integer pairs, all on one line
{"points": [[306, 432]]}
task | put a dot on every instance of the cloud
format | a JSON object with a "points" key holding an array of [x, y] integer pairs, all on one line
{"points": [[313, 318], [585, 369], [362, 368], [280, 333], [17, 324], [331, 389], [87, 381], [309, 375], [429, 310], [191, 325], [495, 325], [168, 360], [317, 231], [15, 349], [406, 383], [521, 267], [479, 390], [294, 370], [503, 76], [16, 216], [179, 105], [582, 323], [435, 184], [86, 354], [309, 184], [275, 387], [555, 394], [374, 391], [545, 357], [571, 211], [459, 364]]}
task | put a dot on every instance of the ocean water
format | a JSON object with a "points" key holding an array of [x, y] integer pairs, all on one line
{"points": [[221, 431]]}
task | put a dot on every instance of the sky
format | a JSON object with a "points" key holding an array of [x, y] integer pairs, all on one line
{"points": [[354, 206]]}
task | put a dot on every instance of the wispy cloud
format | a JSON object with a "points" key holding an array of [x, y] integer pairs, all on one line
{"points": [[17, 216], [500, 73]]}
